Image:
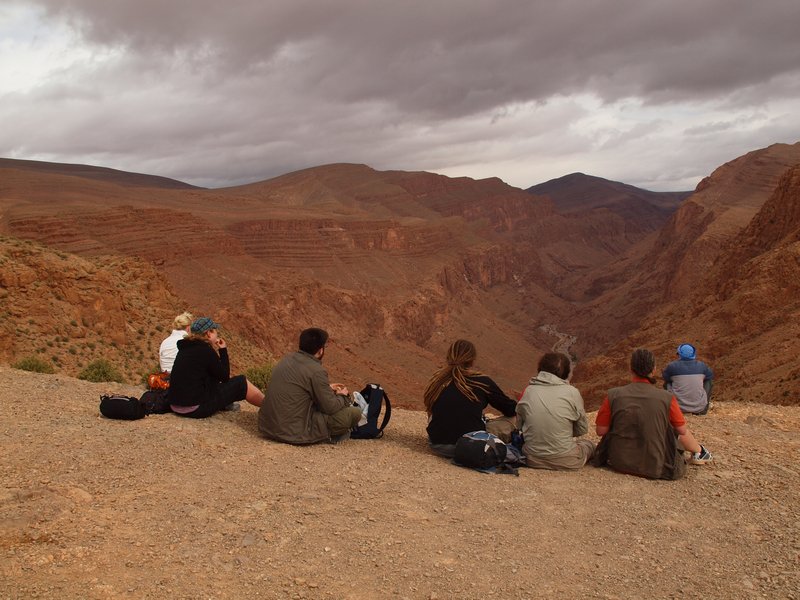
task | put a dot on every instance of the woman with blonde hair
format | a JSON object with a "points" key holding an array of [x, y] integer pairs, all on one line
{"points": [[169, 347], [456, 397], [200, 383]]}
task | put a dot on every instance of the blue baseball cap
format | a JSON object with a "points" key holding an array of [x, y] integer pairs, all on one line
{"points": [[687, 351], [203, 324]]}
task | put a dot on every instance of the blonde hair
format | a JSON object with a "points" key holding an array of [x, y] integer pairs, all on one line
{"points": [[460, 357], [183, 320]]}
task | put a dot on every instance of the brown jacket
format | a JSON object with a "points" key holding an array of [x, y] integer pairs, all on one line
{"points": [[641, 440], [298, 398]]}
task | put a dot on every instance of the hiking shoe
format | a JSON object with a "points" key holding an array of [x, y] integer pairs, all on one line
{"points": [[232, 407], [701, 458], [338, 439]]}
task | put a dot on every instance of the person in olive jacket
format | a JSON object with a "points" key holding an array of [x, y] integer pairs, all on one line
{"points": [[302, 406], [200, 382]]}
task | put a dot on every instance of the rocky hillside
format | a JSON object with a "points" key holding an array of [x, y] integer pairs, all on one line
{"points": [[95, 173], [743, 307], [396, 265], [68, 311], [580, 193]]}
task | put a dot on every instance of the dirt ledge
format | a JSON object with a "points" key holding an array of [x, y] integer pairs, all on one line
{"points": [[172, 508]]}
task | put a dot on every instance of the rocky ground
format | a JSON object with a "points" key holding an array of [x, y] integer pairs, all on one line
{"points": [[172, 508]]}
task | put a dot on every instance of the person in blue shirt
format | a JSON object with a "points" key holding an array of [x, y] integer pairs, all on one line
{"points": [[690, 380]]}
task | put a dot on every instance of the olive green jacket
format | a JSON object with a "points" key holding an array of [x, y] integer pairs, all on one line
{"points": [[298, 398]]}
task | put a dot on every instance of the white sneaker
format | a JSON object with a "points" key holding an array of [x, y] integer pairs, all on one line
{"points": [[701, 458]]}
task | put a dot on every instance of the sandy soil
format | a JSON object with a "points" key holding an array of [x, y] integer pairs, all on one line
{"points": [[172, 508]]}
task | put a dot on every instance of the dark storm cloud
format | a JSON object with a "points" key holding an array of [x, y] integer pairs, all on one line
{"points": [[458, 57], [224, 92]]}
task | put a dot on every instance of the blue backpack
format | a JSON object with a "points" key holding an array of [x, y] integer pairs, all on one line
{"points": [[375, 400]]}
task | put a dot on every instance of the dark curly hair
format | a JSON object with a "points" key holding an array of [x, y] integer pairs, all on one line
{"points": [[312, 339]]}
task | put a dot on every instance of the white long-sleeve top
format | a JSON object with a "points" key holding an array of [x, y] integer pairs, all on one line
{"points": [[169, 349]]}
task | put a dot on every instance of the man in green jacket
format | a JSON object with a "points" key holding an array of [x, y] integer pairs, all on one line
{"points": [[301, 405]]}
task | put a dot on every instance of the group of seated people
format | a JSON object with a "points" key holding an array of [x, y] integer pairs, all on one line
{"points": [[301, 405], [642, 427]]}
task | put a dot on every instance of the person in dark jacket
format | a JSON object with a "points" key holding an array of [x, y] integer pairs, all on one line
{"points": [[456, 397], [200, 382]]}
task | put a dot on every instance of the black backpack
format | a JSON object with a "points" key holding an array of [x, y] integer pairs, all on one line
{"points": [[128, 408], [486, 452], [376, 400], [117, 406]]}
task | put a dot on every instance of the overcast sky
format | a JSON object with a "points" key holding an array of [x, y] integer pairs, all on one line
{"points": [[656, 94]]}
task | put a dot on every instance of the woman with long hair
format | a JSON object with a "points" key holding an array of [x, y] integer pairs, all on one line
{"points": [[200, 382], [456, 397]]}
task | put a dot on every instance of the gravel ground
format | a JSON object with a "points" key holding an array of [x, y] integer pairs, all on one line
{"points": [[174, 508]]}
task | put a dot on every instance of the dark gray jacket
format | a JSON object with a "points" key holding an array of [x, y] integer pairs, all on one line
{"points": [[641, 440]]}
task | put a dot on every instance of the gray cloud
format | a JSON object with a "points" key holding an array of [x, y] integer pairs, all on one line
{"points": [[220, 93]]}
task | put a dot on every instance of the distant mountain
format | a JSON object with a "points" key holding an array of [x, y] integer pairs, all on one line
{"points": [[97, 173], [579, 193], [398, 264]]}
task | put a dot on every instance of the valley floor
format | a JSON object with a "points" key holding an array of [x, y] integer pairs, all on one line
{"points": [[174, 508]]}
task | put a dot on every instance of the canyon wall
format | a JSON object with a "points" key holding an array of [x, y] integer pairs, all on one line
{"points": [[396, 265]]}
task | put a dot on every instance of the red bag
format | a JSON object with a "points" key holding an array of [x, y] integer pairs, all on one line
{"points": [[158, 381]]}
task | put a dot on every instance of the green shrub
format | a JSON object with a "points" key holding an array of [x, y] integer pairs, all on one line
{"points": [[100, 370], [34, 364], [260, 376]]}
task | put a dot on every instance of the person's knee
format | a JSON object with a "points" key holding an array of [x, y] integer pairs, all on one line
{"points": [[502, 427], [587, 448], [353, 415], [344, 420]]}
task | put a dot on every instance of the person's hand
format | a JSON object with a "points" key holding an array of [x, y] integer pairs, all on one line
{"points": [[221, 343], [340, 388]]}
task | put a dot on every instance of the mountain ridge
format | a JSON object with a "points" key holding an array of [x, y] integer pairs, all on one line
{"points": [[397, 264]]}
